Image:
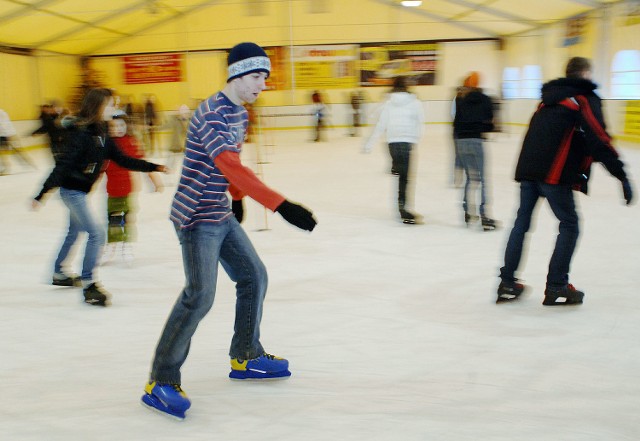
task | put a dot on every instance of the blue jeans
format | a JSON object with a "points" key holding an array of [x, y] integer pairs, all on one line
{"points": [[202, 248], [471, 154], [560, 198], [400, 157], [80, 219]]}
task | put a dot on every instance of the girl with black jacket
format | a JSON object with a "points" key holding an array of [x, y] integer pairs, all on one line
{"points": [[88, 147]]}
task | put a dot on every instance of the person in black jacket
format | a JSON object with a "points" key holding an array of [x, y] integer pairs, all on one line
{"points": [[75, 172], [50, 117], [566, 134], [473, 118]]}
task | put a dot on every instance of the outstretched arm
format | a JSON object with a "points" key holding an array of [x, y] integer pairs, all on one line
{"points": [[244, 182]]}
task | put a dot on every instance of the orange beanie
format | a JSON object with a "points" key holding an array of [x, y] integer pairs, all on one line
{"points": [[472, 80]]}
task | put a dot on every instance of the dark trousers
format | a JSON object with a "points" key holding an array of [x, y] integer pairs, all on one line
{"points": [[400, 156], [560, 198]]}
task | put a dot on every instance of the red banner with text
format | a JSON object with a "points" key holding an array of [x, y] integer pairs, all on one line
{"points": [[153, 68]]}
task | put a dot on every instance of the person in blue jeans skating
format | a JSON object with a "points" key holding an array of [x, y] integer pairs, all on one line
{"points": [[566, 134], [473, 118], [209, 231], [88, 147]]}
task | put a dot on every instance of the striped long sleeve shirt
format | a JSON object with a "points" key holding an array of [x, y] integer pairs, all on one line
{"points": [[211, 166]]}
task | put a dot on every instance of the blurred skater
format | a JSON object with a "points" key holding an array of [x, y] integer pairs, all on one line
{"points": [[89, 146], [120, 191], [402, 118], [566, 134], [473, 118], [9, 144]]}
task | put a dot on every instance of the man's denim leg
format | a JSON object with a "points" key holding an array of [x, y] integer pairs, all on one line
{"points": [[81, 220], [200, 256], [529, 194], [240, 260], [561, 201]]}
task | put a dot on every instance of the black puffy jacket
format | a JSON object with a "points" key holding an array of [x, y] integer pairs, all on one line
{"points": [[86, 151], [474, 115], [566, 135]]}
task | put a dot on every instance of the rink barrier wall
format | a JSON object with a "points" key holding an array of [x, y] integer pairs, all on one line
{"points": [[339, 116]]}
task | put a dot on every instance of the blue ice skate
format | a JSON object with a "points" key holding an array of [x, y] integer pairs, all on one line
{"points": [[265, 367], [166, 398]]}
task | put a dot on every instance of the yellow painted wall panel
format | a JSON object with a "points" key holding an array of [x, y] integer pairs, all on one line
{"points": [[19, 93]]}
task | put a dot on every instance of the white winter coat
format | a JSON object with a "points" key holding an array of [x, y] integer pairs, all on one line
{"points": [[402, 118], [6, 127]]}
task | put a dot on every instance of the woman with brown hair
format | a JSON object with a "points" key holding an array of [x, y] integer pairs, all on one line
{"points": [[88, 147]]}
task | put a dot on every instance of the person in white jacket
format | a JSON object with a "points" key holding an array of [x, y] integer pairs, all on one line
{"points": [[402, 118], [8, 141]]}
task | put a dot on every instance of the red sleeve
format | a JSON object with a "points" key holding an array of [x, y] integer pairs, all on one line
{"points": [[236, 194], [244, 182]]}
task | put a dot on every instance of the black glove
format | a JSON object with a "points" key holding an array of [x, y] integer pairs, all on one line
{"points": [[626, 190], [238, 209], [297, 215]]}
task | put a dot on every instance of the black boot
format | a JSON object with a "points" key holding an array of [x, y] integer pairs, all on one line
{"points": [[508, 291], [566, 295], [66, 280], [95, 295], [489, 224], [470, 218]]}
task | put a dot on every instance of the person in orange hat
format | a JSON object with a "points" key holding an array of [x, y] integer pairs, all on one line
{"points": [[473, 118]]}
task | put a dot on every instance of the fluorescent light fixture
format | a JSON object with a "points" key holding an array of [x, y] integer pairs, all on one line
{"points": [[411, 3]]}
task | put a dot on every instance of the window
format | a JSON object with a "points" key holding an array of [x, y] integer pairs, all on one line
{"points": [[531, 82], [510, 83], [625, 75]]}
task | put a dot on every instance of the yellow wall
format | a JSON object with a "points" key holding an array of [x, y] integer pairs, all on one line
{"points": [[29, 81], [19, 91]]}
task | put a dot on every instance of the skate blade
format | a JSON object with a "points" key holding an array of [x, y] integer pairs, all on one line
{"points": [[413, 221], [507, 299], [98, 302], [155, 405], [561, 301], [250, 376]]}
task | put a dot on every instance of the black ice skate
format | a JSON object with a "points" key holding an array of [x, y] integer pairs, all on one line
{"points": [[470, 218], [566, 295], [64, 280], [489, 224], [509, 291], [95, 295], [409, 217]]}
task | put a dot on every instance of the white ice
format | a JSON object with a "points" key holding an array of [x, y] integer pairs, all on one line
{"points": [[392, 331]]}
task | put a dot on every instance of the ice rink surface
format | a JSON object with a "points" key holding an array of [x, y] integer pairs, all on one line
{"points": [[391, 330]]}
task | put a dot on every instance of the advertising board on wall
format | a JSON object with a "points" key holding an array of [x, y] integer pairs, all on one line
{"points": [[381, 63], [152, 68]]}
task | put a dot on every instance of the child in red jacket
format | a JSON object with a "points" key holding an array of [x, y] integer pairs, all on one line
{"points": [[120, 187]]}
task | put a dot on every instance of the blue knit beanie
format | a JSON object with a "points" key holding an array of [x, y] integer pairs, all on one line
{"points": [[246, 58]]}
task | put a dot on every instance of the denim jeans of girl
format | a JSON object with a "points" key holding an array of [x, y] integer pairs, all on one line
{"points": [[560, 198], [471, 154], [80, 220], [203, 247]]}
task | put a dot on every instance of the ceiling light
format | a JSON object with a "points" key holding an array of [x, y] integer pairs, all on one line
{"points": [[411, 3]]}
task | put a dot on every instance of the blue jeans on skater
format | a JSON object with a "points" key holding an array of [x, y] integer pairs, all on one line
{"points": [[471, 153], [560, 198], [80, 220], [203, 247]]}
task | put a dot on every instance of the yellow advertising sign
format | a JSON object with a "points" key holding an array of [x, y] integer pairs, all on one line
{"points": [[325, 67], [632, 118]]}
